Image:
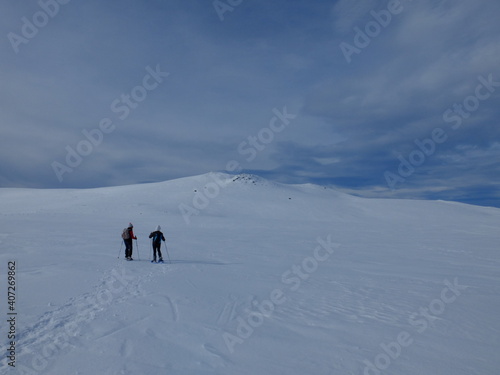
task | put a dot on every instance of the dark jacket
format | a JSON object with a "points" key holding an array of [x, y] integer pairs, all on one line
{"points": [[157, 237]]}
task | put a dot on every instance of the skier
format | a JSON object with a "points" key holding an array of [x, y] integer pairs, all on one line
{"points": [[157, 237], [128, 236]]}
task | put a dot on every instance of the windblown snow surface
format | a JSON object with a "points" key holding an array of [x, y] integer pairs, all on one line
{"points": [[263, 278]]}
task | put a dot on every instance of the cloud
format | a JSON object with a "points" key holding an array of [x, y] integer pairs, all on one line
{"points": [[347, 14], [427, 60], [353, 119]]}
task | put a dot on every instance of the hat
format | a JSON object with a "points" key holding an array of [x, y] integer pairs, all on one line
{"points": [[130, 225], [158, 228]]}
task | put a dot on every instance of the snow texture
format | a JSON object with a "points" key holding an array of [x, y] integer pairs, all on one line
{"points": [[263, 278]]}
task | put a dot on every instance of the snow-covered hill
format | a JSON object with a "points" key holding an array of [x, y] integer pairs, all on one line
{"points": [[264, 278]]}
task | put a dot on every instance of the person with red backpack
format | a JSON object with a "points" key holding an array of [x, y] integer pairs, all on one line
{"points": [[128, 236]]}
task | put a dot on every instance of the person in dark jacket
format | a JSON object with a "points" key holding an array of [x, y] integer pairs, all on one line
{"points": [[157, 237], [128, 236]]}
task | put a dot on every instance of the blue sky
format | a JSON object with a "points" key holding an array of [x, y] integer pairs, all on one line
{"points": [[392, 99]]}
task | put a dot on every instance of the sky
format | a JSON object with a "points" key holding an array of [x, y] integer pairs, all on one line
{"points": [[387, 99]]}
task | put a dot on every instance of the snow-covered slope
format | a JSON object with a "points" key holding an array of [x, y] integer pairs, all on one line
{"points": [[264, 279]]}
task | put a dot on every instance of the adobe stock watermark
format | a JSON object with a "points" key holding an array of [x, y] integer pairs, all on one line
{"points": [[420, 321], [455, 115], [249, 149], [373, 28], [254, 318], [223, 6], [30, 27], [121, 107]]}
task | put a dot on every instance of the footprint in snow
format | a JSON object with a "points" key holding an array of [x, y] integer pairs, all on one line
{"points": [[127, 348]]}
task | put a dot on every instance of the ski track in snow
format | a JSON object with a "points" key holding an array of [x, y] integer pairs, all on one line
{"points": [[212, 350], [228, 313], [173, 308], [58, 331], [127, 348]]}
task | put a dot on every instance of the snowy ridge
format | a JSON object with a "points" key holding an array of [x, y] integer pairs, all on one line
{"points": [[265, 278]]}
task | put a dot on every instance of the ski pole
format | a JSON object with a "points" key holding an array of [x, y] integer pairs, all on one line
{"points": [[168, 256], [137, 245], [119, 251], [150, 249]]}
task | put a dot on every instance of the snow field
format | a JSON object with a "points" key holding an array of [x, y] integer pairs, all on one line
{"points": [[266, 278]]}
